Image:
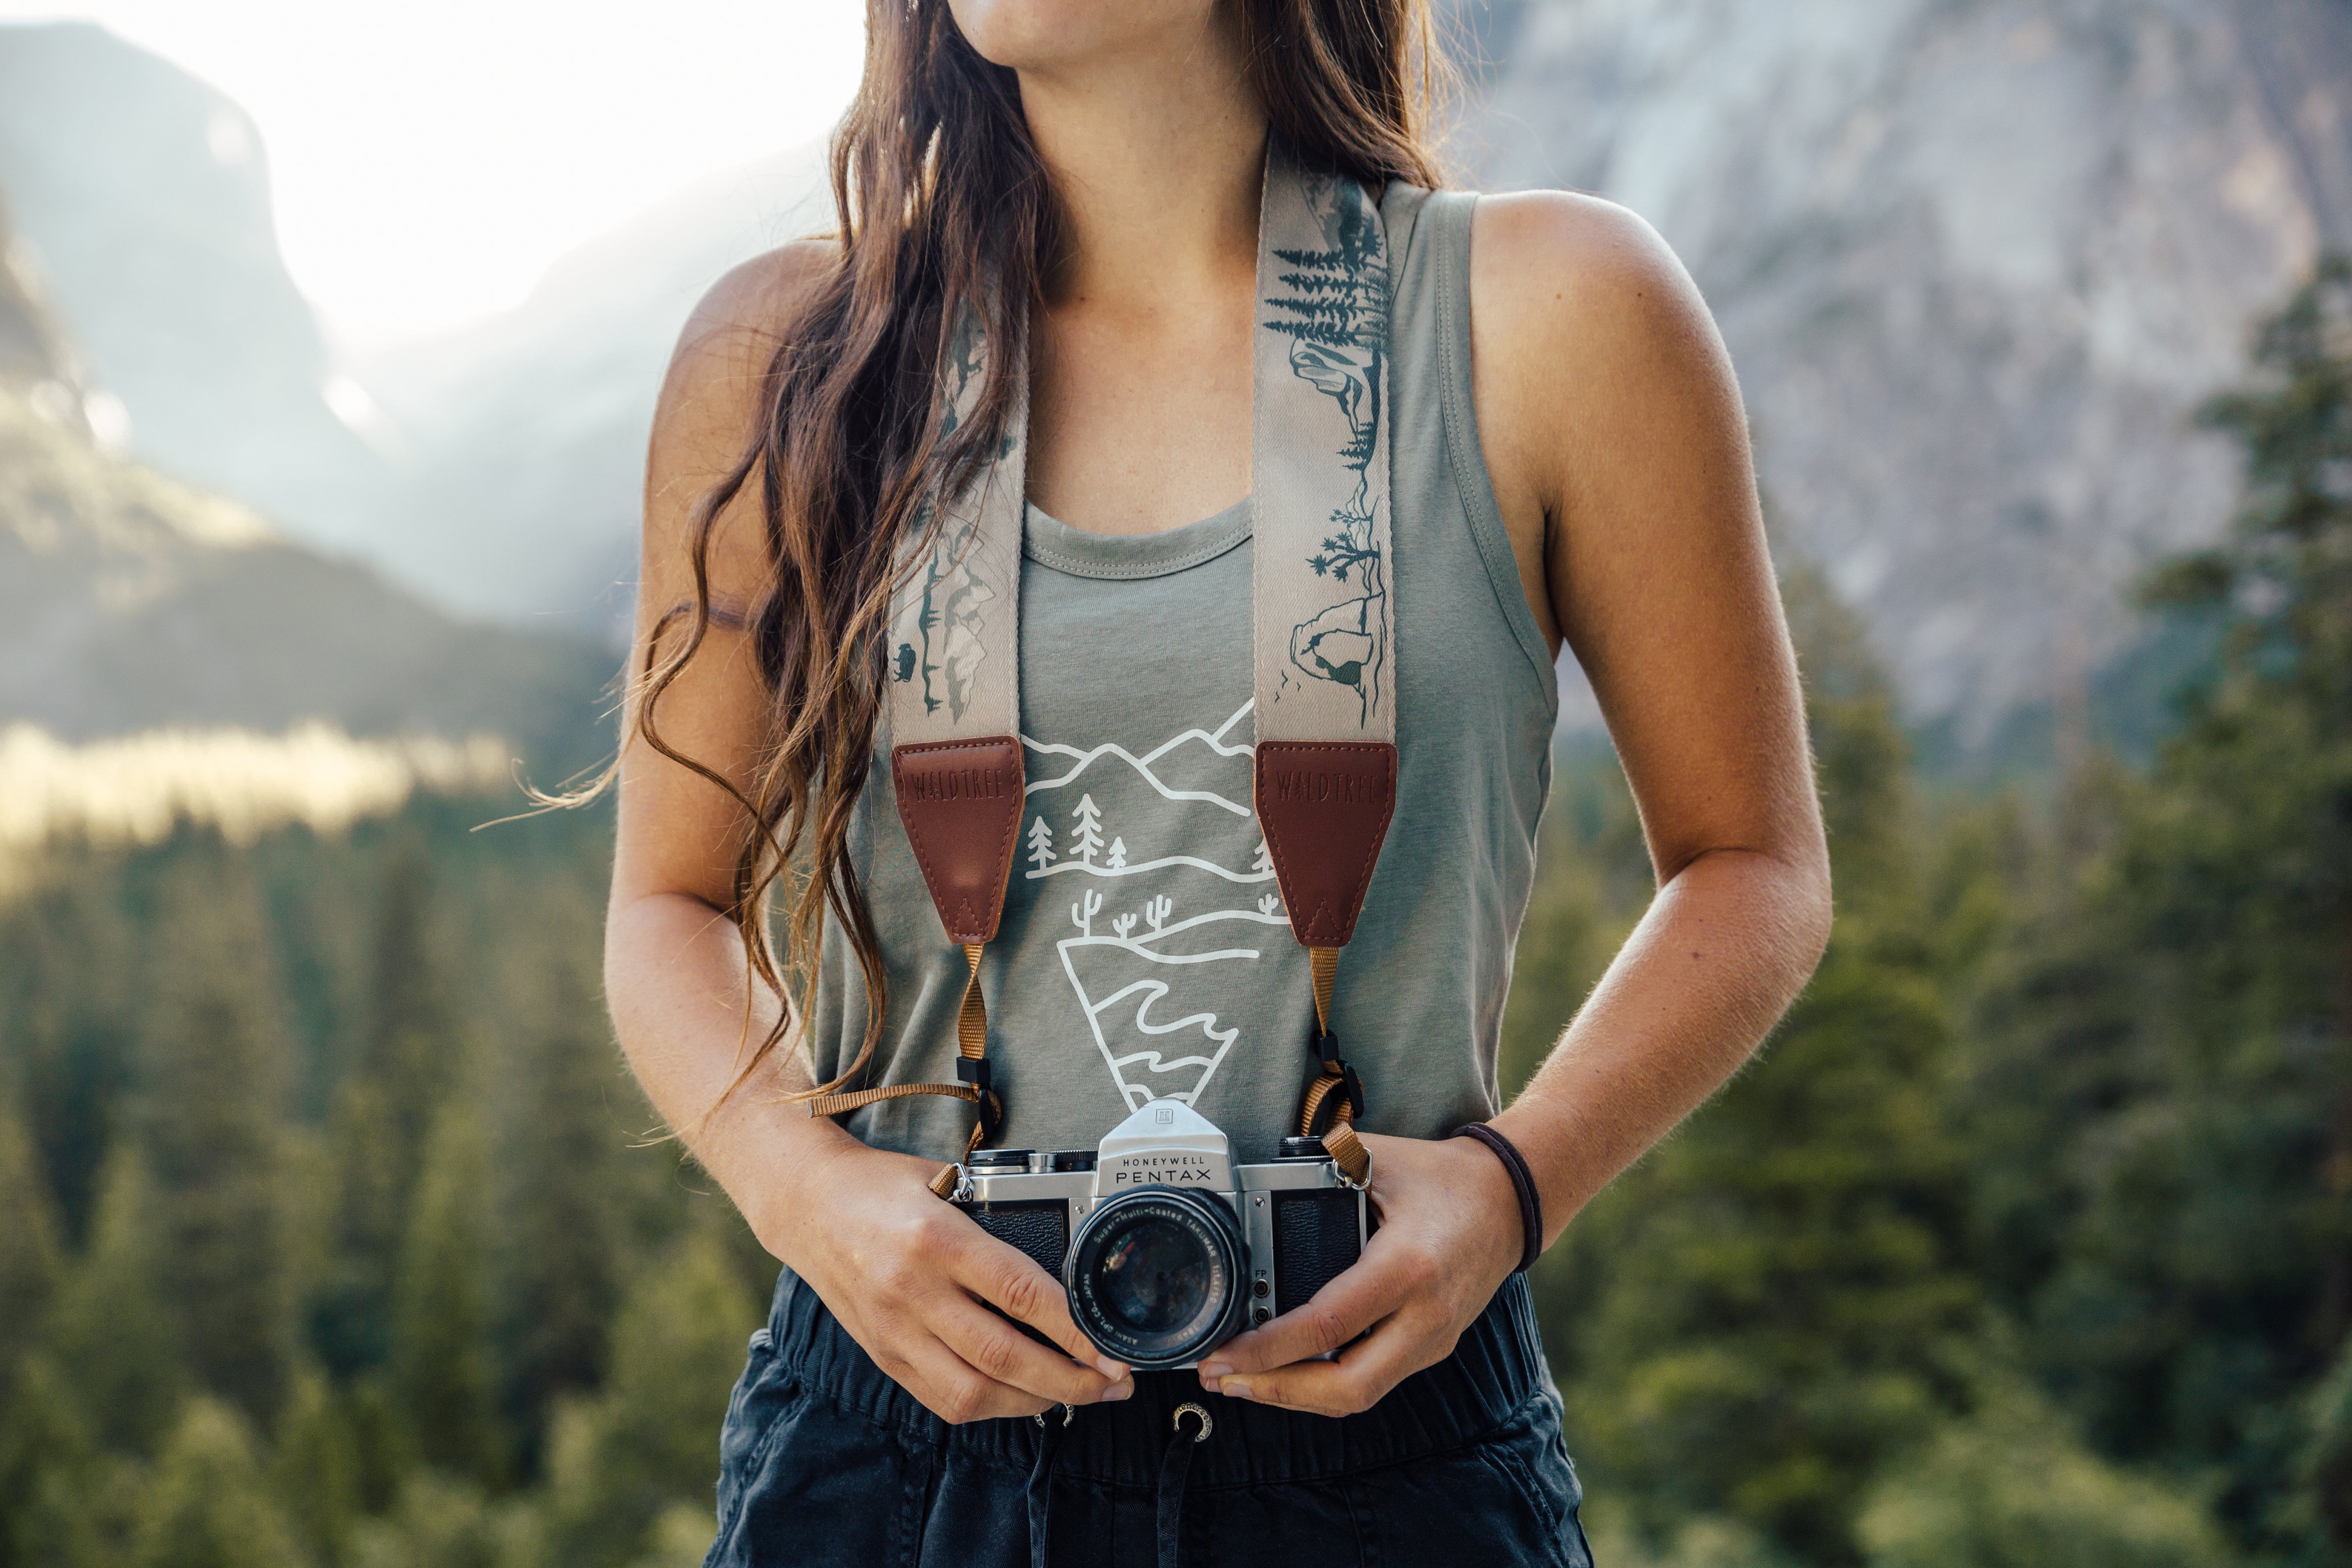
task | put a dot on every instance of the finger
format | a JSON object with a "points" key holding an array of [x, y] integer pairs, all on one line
{"points": [[1010, 1281], [951, 1389], [1355, 1382], [1378, 1283], [999, 1351]]}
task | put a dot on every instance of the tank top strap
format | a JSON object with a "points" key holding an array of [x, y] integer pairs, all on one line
{"points": [[1435, 410]]}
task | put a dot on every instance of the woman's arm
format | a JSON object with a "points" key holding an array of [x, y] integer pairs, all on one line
{"points": [[910, 1277], [1613, 432]]}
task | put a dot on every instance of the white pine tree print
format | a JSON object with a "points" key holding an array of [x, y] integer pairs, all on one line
{"points": [[1264, 864], [1089, 820], [1118, 859], [1040, 844]]}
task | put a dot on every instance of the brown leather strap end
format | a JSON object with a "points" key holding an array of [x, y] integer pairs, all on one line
{"points": [[1324, 806], [961, 801]]}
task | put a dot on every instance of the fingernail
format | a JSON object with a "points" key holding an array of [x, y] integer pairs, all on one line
{"points": [[1112, 1369], [1212, 1370], [1233, 1387], [1117, 1391]]}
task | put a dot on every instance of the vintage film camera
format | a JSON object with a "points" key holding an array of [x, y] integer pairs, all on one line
{"points": [[1168, 1248]]}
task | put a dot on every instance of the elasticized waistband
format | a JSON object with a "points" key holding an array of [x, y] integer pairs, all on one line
{"points": [[1495, 1371]]}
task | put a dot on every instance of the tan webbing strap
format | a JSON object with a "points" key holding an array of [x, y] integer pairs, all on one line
{"points": [[1324, 963], [1331, 1083], [971, 1046]]}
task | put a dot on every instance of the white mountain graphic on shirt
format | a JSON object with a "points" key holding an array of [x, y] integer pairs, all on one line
{"points": [[1144, 970]]}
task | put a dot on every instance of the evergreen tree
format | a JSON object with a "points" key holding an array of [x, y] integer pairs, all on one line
{"points": [[210, 1092], [1774, 1301], [209, 1504], [411, 1052], [350, 1311], [111, 1326], [28, 1248], [2164, 1098], [557, 1141], [67, 952], [441, 1368], [316, 1469], [645, 1443], [439, 1523], [65, 1502], [2013, 1488]]}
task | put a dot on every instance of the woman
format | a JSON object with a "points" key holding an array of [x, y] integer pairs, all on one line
{"points": [[1051, 278]]}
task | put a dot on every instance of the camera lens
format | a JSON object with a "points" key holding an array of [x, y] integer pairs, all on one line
{"points": [[1154, 1276]]}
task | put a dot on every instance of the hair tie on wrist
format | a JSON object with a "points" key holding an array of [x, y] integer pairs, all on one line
{"points": [[1523, 1182]]}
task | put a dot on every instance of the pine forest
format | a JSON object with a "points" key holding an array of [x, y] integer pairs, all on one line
{"points": [[337, 1236]]}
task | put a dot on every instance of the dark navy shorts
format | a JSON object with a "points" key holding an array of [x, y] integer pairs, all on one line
{"points": [[824, 1462]]}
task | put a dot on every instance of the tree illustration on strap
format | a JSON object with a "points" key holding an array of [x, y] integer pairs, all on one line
{"points": [[1089, 820], [1335, 313], [1041, 846]]}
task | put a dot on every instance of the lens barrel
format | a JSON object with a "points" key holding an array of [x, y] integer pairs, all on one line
{"points": [[1157, 1276]]}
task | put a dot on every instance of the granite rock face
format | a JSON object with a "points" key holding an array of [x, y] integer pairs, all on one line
{"points": [[1977, 262], [140, 201], [132, 601]]}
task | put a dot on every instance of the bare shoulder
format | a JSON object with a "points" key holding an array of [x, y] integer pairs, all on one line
{"points": [[728, 340], [713, 398], [1600, 382], [1552, 270]]}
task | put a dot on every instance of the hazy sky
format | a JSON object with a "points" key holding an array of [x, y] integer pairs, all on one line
{"points": [[430, 158]]}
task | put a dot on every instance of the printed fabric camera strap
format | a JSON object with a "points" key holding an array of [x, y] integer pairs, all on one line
{"points": [[1325, 757]]}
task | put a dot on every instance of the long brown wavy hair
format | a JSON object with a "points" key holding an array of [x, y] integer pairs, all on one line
{"points": [[944, 205]]}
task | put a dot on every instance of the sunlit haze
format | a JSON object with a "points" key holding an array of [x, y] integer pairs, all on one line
{"points": [[430, 159]]}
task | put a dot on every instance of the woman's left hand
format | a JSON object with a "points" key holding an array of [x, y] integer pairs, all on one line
{"points": [[1449, 1237]]}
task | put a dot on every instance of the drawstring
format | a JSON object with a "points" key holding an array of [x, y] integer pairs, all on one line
{"points": [[1041, 1481], [1174, 1466]]}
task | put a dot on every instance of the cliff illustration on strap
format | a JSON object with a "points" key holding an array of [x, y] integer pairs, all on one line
{"points": [[937, 631], [1334, 308]]}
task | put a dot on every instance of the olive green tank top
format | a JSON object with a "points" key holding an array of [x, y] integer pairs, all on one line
{"points": [[1143, 951]]}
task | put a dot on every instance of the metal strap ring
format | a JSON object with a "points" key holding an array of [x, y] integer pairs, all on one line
{"points": [[1207, 1423]]}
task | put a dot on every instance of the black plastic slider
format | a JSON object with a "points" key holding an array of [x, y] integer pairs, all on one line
{"points": [[1324, 1043], [972, 1070]]}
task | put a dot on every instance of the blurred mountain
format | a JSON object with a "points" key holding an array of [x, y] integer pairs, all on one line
{"points": [[1977, 262], [129, 600], [495, 466], [140, 198], [525, 433]]}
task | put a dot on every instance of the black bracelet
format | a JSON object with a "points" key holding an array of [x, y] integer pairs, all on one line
{"points": [[1523, 1182]]}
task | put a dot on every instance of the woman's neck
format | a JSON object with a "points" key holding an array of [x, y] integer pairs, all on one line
{"points": [[1156, 151]]}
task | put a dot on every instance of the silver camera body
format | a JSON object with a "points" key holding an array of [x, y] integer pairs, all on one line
{"points": [[1166, 1246]]}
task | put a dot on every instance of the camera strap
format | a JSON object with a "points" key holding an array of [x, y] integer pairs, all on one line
{"points": [[1323, 633]]}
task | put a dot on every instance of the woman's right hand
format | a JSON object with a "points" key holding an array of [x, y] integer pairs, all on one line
{"points": [[912, 1278]]}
